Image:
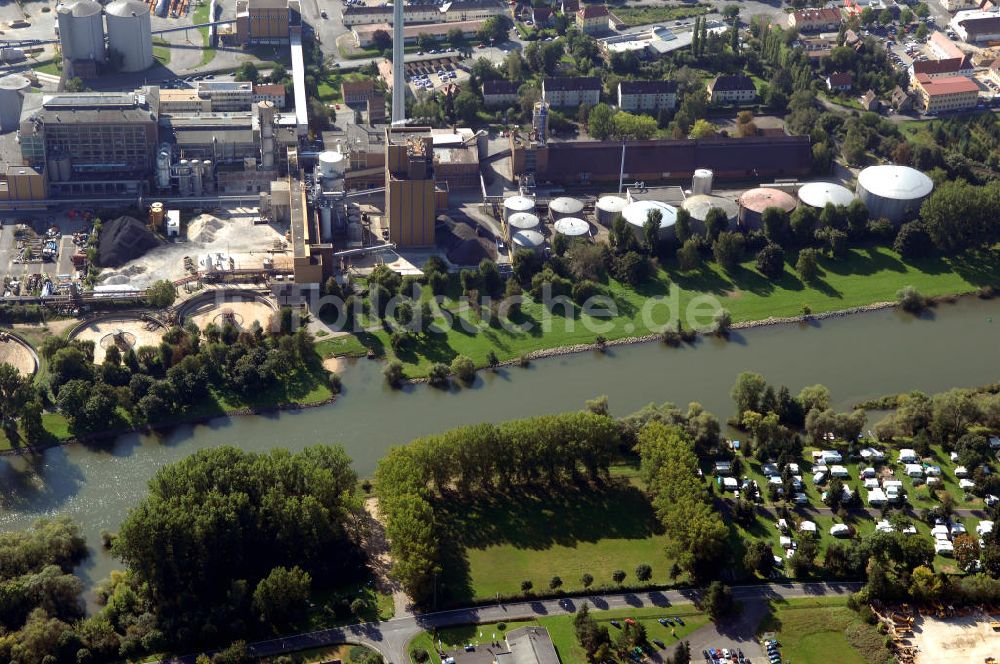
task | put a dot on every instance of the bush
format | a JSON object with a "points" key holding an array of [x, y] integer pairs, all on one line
{"points": [[722, 323], [728, 250], [881, 229], [909, 299], [584, 290], [807, 265], [463, 368], [419, 655], [913, 241], [393, 372], [438, 375], [631, 268], [771, 261]]}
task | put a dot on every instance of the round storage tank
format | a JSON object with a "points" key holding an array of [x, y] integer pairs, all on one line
{"points": [[528, 240], [607, 207], [517, 204], [755, 201], [818, 194], [699, 206], [893, 192], [572, 227], [565, 207], [12, 89], [81, 30], [701, 183], [637, 212], [130, 34], [522, 221], [331, 164]]}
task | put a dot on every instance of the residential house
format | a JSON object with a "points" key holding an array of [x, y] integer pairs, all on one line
{"points": [[272, 92], [542, 17], [869, 101], [501, 93], [840, 81], [571, 91], [948, 93], [731, 89], [826, 19], [647, 95], [357, 92], [901, 100], [569, 7], [592, 19]]}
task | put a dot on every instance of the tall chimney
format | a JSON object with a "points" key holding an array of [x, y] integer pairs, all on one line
{"points": [[398, 75]]}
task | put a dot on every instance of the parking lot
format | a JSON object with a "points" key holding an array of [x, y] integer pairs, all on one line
{"points": [[13, 266]]}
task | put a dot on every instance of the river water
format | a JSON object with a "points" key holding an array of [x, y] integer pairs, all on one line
{"points": [[857, 357]]}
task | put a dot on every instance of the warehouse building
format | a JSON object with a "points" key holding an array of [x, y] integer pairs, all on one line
{"points": [[585, 162], [975, 26], [266, 21]]}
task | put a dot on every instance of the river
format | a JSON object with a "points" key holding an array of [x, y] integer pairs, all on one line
{"points": [[857, 357]]}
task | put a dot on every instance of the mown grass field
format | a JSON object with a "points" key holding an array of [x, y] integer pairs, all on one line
{"points": [[821, 630], [561, 630], [868, 275], [633, 16]]}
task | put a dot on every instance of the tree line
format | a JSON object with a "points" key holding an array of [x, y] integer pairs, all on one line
{"points": [[547, 450]]}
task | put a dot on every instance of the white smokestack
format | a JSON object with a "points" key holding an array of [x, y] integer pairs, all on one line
{"points": [[398, 75]]}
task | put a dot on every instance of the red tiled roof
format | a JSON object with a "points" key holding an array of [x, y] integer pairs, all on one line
{"points": [[826, 15], [839, 78], [592, 11], [948, 85], [273, 89], [946, 66]]}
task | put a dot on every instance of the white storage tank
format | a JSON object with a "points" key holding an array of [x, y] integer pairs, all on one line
{"points": [[522, 221], [637, 212], [565, 206], [81, 30], [818, 194], [572, 227], [893, 192], [12, 90], [701, 183], [607, 207], [528, 240], [517, 204], [699, 205], [130, 34], [331, 164]]}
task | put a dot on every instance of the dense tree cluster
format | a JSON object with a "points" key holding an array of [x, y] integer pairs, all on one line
{"points": [[549, 450], [695, 531]]}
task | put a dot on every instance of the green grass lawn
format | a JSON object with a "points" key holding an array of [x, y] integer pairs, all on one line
{"points": [[161, 51], [633, 16], [49, 67], [328, 609], [817, 631], [503, 540], [561, 631], [867, 275]]}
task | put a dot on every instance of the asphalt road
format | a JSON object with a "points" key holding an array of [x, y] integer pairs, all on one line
{"points": [[391, 637]]}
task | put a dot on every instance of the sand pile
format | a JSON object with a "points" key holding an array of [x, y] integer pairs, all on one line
{"points": [[124, 239], [204, 228]]}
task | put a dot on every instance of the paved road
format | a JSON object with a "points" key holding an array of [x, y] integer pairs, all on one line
{"points": [[392, 636]]}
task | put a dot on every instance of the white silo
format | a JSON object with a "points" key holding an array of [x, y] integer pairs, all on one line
{"points": [[701, 183], [564, 206], [331, 165], [130, 34], [894, 192], [607, 207], [196, 185], [12, 90], [572, 227], [818, 194], [81, 30], [528, 240], [637, 213], [514, 204]]}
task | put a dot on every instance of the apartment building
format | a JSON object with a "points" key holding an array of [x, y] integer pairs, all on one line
{"points": [[563, 92], [944, 94], [649, 96], [731, 89]]}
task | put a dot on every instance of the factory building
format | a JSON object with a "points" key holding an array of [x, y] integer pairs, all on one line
{"points": [[209, 97], [22, 184], [585, 162], [266, 21], [637, 96], [92, 143], [449, 12], [410, 205], [893, 192]]}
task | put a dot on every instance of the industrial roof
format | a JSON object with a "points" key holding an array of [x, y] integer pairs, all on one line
{"points": [[14, 82], [895, 182], [818, 194], [947, 46], [299, 81], [89, 100], [827, 14], [761, 198]]}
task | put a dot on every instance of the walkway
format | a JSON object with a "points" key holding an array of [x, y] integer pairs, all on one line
{"points": [[390, 638]]}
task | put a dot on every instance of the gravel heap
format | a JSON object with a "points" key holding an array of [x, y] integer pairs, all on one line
{"points": [[124, 239]]}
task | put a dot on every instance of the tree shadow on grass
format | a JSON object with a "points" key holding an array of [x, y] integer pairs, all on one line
{"points": [[539, 519], [703, 280], [980, 268], [753, 282]]}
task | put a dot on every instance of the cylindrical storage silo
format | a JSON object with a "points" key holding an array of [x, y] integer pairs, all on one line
{"points": [[81, 30], [156, 215], [700, 205], [517, 204], [754, 201], [522, 221], [637, 213], [701, 183], [196, 184], [12, 90], [163, 159], [893, 192], [528, 240], [572, 227], [607, 207], [331, 164], [130, 34], [818, 194], [564, 207]]}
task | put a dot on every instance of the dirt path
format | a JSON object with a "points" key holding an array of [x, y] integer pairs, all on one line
{"points": [[377, 547]]}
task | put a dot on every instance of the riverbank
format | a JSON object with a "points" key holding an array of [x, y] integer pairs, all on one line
{"points": [[867, 279]]}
